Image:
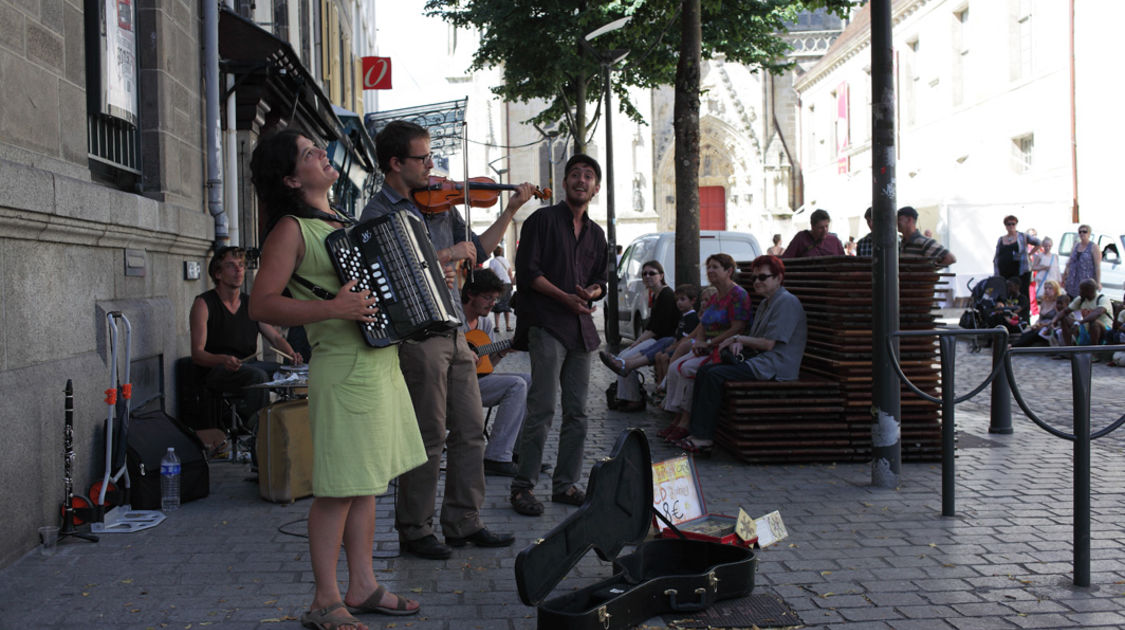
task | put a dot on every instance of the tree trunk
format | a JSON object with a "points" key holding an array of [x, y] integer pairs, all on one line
{"points": [[686, 123], [580, 113]]}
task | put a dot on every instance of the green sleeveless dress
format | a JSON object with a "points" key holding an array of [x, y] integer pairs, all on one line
{"points": [[363, 427]]}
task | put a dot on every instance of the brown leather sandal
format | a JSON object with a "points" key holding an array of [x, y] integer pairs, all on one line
{"points": [[524, 502]]}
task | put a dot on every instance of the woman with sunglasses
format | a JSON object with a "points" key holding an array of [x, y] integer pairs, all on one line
{"points": [[1011, 258], [1085, 262], [724, 316], [771, 352], [658, 335]]}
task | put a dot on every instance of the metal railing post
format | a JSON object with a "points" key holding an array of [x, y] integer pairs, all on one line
{"points": [[948, 436], [1000, 421], [1080, 375], [1080, 361], [947, 342]]}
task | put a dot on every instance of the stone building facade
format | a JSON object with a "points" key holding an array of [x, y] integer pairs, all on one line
{"points": [[102, 213], [984, 111]]}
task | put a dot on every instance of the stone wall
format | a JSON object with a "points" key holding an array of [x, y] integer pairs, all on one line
{"points": [[64, 236]]}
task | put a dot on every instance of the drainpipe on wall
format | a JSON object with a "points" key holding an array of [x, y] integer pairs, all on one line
{"points": [[1073, 126], [211, 114], [231, 172]]}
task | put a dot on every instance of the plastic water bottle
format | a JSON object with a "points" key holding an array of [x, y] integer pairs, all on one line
{"points": [[169, 481]]}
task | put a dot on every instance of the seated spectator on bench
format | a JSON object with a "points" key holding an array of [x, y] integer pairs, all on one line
{"points": [[771, 352], [815, 241], [659, 334], [1095, 322], [724, 316], [224, 340]]}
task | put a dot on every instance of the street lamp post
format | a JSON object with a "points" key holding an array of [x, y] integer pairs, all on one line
{"points": [[609, 58]]}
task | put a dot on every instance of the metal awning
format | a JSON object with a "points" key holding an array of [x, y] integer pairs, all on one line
{"points": [[444, 121], [269, 73]]}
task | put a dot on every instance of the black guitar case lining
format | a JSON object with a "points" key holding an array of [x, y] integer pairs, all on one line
{"points": [[660, 576]]}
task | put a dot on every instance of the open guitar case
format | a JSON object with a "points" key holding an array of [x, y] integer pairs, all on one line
{"points": [[668, 575]]}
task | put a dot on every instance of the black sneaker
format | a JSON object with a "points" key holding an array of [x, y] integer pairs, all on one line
{"points": [[500, 469]]}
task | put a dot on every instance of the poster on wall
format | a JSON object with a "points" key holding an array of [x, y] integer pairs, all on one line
{"points": [[119, 61]]}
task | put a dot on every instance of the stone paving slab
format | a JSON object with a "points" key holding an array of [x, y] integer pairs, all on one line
{"points": [[857, 556]]}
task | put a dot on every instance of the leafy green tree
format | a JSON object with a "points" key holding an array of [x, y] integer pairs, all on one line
{"points": [[537, 43]]}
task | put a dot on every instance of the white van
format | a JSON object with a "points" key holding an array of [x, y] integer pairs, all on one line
{"points": [[632, 298]]}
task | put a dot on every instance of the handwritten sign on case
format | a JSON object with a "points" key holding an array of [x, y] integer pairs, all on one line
{"points": [[674, 491]]}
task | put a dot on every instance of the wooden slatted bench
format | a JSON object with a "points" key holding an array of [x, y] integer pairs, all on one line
{"points": [[826, 415]]}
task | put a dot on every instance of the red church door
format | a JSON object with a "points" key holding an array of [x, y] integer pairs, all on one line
{"points": [[712, 208]]}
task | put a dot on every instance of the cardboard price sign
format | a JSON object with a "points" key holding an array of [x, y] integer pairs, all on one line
{"points": [[674, 492]]}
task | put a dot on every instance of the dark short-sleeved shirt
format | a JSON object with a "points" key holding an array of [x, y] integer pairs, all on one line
{"points": [[229, 333], [918, 244], [664, 316], [782, 319], [548, 248], [865, 246], [445, 229], [803, 246], [688, 322]]}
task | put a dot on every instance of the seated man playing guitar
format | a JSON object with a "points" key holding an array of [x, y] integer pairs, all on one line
{"points": [[508, 391]]}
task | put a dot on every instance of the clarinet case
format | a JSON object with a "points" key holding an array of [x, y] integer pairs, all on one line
{"points": [[669, 575]]}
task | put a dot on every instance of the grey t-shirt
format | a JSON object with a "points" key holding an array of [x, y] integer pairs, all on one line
{"points": [[782, 319]]}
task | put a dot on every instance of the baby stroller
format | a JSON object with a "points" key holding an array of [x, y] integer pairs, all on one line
{"points": [[986, 294]]}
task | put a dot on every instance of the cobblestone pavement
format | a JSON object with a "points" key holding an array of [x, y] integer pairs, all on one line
{"points": [[856, 557]]}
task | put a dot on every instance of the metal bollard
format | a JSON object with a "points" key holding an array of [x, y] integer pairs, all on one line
{"points": [[1000, 420], [1080, 357], [947, 342]]}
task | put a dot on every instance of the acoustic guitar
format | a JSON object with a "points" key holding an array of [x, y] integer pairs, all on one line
{"points": [[484, 346]]}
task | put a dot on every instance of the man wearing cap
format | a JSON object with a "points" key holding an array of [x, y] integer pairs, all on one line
{"points": [[817, 241], [560, 271], [914, 243]]}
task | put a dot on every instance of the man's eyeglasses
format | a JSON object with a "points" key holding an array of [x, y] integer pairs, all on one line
{"points": [[650, 273], [421, 158], [1009, 223], [761, 277]]}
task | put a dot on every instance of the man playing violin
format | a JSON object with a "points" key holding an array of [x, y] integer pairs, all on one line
{"points": [[560, 270], [440, 371], [507, 392]]}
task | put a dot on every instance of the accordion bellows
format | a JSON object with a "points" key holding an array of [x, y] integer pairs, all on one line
{"points": [[392, 257]]}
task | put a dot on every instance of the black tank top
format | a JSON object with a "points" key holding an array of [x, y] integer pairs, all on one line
{"points": [[229, 333], [1009, 260]]}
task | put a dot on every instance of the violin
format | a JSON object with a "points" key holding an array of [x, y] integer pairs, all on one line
{"points": [[442, 194]]}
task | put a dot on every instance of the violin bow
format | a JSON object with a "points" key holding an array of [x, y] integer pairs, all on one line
{"points": [[465, 186]]}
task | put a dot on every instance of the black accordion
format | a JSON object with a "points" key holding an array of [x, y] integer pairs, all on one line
{"points": [[392, 257]]}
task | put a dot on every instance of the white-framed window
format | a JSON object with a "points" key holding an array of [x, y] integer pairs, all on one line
{"points": [[1023, 151]]}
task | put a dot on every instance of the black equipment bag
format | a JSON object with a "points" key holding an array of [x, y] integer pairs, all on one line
{"points": [[150, 434], [660, 576]]}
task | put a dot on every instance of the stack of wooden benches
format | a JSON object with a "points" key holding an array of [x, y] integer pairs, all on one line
{"points": [[826, 415]]}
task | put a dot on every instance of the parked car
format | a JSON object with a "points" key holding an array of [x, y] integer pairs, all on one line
{"points": [[1113, 265], [632, 298]]}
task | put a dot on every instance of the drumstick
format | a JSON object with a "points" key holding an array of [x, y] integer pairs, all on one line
{"points": [[280, 353], [248, 357]]}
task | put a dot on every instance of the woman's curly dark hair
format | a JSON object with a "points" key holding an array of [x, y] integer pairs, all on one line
{"points": [[274, 159]]}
